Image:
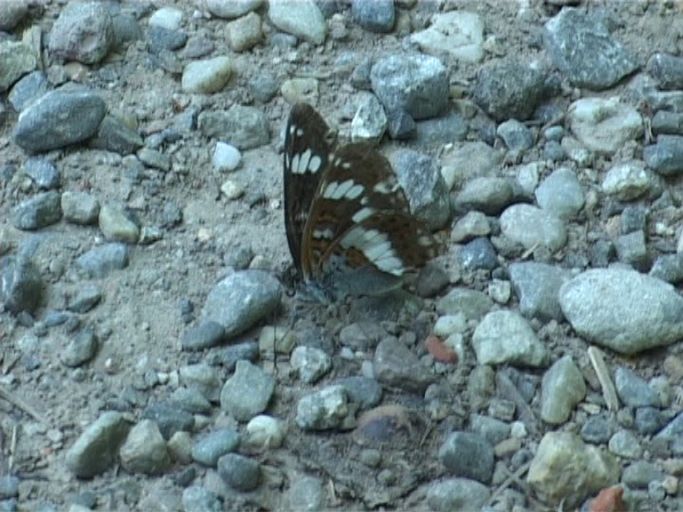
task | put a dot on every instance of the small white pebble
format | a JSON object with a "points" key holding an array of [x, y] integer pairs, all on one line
{"points": [[232, 190], [226, 157], [167, 17]]}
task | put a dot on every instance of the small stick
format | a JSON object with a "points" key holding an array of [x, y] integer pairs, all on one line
{"points": [[609, 393], [22, 405]]}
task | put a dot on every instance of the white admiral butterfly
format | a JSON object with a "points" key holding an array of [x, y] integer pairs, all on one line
{"points": [[348, 221]]}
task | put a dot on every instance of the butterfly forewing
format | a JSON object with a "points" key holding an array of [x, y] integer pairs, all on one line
{"points": [[308, 143]]}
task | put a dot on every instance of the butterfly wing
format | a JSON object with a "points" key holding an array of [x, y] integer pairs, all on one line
{"points": [[361, 218], [308, 144]]}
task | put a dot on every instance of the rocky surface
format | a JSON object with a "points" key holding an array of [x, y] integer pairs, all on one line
{"points": [[155, 351]]}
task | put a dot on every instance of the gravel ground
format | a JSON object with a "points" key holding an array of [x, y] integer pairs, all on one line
{"points": [[154, 353]]}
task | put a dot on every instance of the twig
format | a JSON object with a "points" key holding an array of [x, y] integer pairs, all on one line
{"points": [[22, 405], [609, 393]]}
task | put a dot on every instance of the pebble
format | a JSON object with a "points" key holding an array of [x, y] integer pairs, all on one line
{"points": [[597, 429], [639, 474], [202, 377], [311, 363], [18, 60], [96, 448], [144, 450], [562, 389], [666, 156], [413, 83], [467, 455], [245, 32], [79, 112], [627, 181], [499, 290], [243, 127], [516, 135], [117, 224], [364, 391], [80, 349], [449, 324], [442, 130], [582, 47], [169, 18], [471, 303], [649, 420], [488, 195], [561, 194], [509, 89], [479, 254], [211, 447], [564, 469], [264, 87], [457, 494], [459, 34], [39, 211], [242, 299], [323, 410], [491, 429], [230, 9], [370, 122], [604, 124], [633, 390], [301, 18], [663, 122], [306, 494], [205, 335], [100, 261], [594, 303], [533, 227], [669, 268], [207, 76], [43, 172], [395, 365], [423, 185], [401, 125], [228, 356], [374, 15], [83, 32], [9, 486], [232, 190], [506, 337], [239, 472], [169, 418], [536, 286], [247, 392], [198, 499], [624, 444], [472, 225], [160, 39], [468, 160], [117, 136], [632, 249], [667, 70], [191, 400], [28, 89], [300, 90], [265, 432], [11, 14]]}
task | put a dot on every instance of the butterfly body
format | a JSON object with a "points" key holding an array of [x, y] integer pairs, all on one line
{"points": [[346, 216]]}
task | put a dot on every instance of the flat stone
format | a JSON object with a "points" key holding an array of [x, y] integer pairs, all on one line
{"points": [[43, 172], [397, 366], [115, 135], [467, 161], [595, 303], [516, 135], [169, 18], [245, 32], [102, 260], [301, 18], [242, 299], [532, 227], [486, 194], [207, 76], [374, 15], [80, 349], [79, 112], [604, 124], [662, 123], [243, 127], [96, 448], [300, 90], [633, 390], [117, 225], [168, 418], [457, 494], [144, 450], [562, 388], [21, 284], [667, 70], [239, 472], [231, 8], [561, 194], [28, 89], [459, 34], [506, 337], [537, 286], [564, 469], [628, 180], [414, 83], [582, 47], [666, 156], [83, 32], [467, 455], [41, 210], [211, 447], [17, 60], [248, 392], [471, 303]]}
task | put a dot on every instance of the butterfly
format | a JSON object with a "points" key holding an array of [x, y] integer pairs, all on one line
{"points": [[347, 219]]}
